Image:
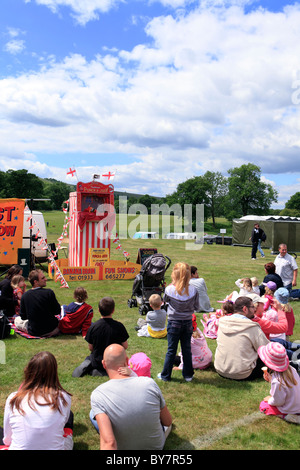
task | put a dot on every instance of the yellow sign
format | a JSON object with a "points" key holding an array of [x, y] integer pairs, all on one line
{"points": [[98, 256], [73, 273], [111, 270], [115, 270], [11, 229]]}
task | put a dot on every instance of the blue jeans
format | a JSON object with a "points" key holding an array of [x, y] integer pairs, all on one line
{"points": [[295, 293], [256, 245], [179, 330], [292, 349], [260, 248]]}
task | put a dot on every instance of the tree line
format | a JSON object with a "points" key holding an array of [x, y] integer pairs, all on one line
{"points": [[24, 185], [240, 193]]}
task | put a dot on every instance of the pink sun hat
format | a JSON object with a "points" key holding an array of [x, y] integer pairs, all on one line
{"points": [[274, 356], [141, 364]]}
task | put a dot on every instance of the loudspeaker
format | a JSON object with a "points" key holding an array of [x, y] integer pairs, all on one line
{"points": [[24, 260]]}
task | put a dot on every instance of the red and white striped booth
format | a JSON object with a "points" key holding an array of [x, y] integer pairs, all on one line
{"points": [[91, 209]]}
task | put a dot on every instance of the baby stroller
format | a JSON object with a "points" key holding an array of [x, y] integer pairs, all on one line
{"points": [[150, 280]]}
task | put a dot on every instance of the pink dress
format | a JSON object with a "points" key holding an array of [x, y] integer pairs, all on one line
{"points": [[201, 354], [211, 324]]}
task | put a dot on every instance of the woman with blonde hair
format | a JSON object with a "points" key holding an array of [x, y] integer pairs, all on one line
{"points": [[38, 416], [182, 301]]}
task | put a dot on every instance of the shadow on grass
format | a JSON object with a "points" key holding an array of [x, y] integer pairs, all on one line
{"points": [[66, 337], [79, 430], [174, 442]]}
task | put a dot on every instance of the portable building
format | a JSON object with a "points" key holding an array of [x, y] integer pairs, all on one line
{"points": [[278, 229]]}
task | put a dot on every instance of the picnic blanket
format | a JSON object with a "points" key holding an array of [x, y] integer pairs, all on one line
{"points": [[23, 333]]}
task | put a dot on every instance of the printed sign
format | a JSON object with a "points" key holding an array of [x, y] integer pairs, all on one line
{"points": [[83, 273], [98, 256], [144, 253], [111, 270], [11, 229], [116, 270]]}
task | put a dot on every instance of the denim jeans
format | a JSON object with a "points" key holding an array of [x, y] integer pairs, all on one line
{"points": [[260, 248], [257, 246], [179, 330], [292, 349]]}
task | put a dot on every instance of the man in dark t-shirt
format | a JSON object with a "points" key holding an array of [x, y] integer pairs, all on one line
{"points": [[39, 309], [101, 334]]}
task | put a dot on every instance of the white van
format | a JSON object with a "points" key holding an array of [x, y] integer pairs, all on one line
{"points": [[40, 229], [145, 234]]}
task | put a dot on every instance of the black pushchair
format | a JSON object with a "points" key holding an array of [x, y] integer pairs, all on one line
{"points": [[150, 280]]}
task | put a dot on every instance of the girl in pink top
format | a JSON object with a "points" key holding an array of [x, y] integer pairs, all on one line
{"points": [[282, 295], [19, 287]]}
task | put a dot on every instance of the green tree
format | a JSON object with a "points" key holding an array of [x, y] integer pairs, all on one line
{"points": [[147, 201], [216, 190], [247, 194], [208, 189], [294, 203], [23, 185], [2, 184], [193, 192], [58, 192]]}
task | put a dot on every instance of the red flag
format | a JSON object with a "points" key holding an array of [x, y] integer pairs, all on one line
{"points": [[71, 172], [109, 175]]}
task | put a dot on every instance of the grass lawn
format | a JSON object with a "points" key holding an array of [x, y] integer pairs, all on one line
{"points": [[210, 412]]}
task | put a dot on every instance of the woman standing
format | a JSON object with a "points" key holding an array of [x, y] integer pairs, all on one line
{"points": [[183, 301], [38, 416]]}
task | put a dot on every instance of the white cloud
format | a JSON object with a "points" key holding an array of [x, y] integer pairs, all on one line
{"points": [[211, 90], [83, 10], [15, 46]]}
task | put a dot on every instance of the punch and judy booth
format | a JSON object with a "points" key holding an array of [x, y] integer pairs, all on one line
{"points": [[91, 222]]}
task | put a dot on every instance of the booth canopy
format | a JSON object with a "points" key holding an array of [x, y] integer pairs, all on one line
{"points": [[279, 229]]}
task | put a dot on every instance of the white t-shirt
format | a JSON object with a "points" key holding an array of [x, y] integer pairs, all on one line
{"points": [[200, 285], [285, 267], [42, 429]]}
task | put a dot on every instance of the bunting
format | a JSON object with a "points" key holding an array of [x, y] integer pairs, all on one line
{"points": [[119, 247]]}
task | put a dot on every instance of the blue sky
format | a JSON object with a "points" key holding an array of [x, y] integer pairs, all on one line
{"points": [[159, 91]]}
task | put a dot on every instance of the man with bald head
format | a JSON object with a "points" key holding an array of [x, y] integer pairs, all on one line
{"points": [[129, 413]]}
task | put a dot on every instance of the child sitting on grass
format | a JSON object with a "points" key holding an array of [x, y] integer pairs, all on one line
{"points": [[271, 307], [19, 287], [77, 316], [255, 285], [270, 288], [201, 354], [211, 321], [139, 365], [155, 324], [245, 286], [284, 398], [282, 296]]}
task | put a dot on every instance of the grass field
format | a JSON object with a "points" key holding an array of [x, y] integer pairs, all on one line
{"points": [[209, 413]]}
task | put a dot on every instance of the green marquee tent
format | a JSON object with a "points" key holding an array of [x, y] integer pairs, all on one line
{"points": [[279, 229]]}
